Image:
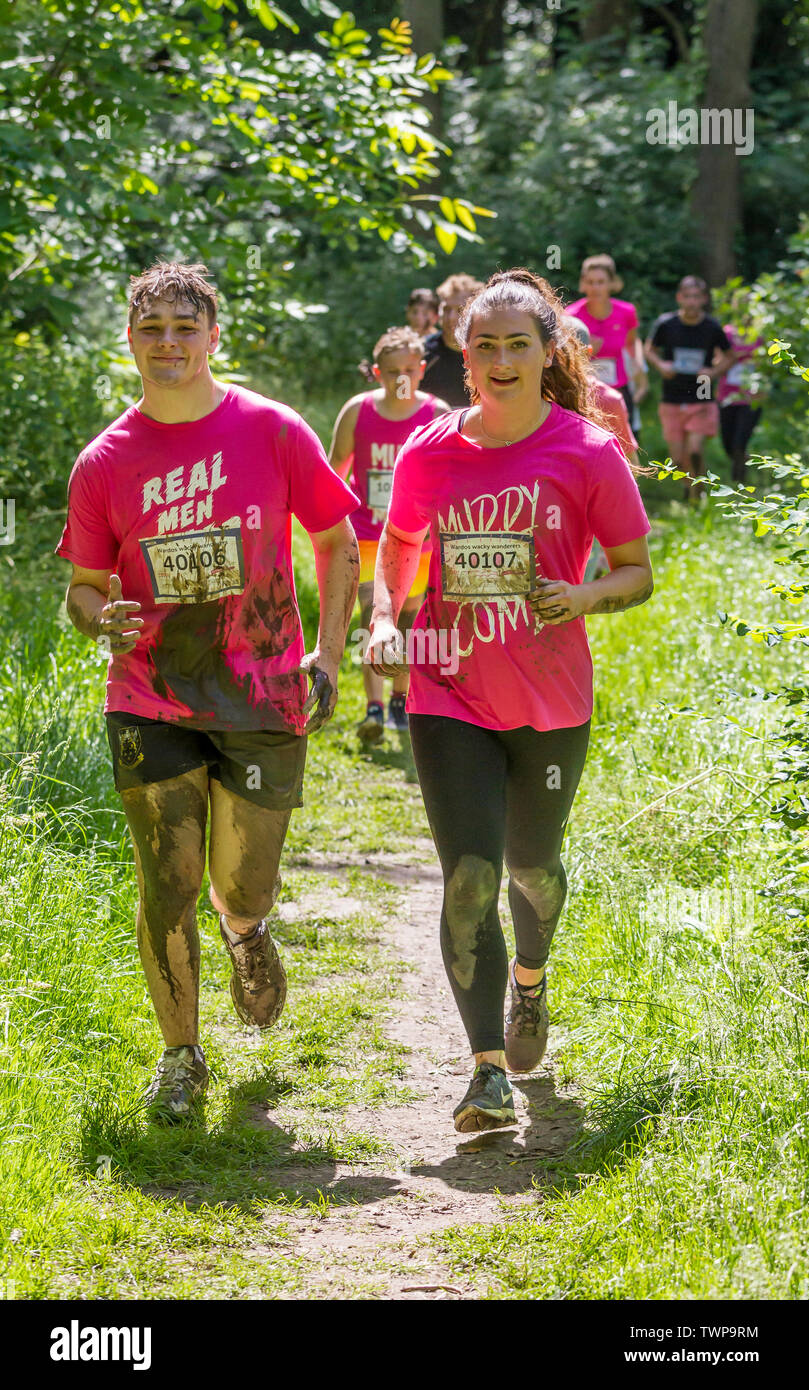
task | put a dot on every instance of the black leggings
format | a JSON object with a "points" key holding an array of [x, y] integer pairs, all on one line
{"points": [[489, 795], [737, 423]]}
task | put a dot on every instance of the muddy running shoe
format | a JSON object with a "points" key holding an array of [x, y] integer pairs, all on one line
{"points": [[372, 729], [488, 1104], [397, 718], [258, 985], [526, 1024], [179, 1085]]}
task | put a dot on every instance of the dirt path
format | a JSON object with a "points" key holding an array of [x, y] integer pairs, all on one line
{"points": [[377, 1244]]}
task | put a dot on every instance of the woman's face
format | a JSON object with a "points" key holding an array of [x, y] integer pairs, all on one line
{"points": [[595, 284], [506, 357]]}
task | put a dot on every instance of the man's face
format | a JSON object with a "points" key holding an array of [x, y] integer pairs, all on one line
{"points": [[399, 373], [421, 318], [450, 312], [691, 300], [171, 342]]}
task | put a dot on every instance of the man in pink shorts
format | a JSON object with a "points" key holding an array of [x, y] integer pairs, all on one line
{"points": [[690, 350]]}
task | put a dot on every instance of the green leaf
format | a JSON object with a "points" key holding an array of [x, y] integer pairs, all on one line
{"points": [[446, 239], [447, 207]]}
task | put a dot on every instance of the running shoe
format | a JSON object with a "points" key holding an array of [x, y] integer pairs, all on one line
{"points": [[372, 728], [258, 985], [526, 1024], [178, 1087], [488, 1103], [397, 718]]}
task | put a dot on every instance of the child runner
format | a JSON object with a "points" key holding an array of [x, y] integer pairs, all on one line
{"points": [[513, 491], [178, 529], [421, 313], [368, 433], [689, 349], [739, 393], [444, 373], [612, 323]]}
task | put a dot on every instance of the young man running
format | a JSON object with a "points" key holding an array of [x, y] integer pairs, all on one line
{"points": [[444, 373], [178, 530], [689, 349], [368, 433]]}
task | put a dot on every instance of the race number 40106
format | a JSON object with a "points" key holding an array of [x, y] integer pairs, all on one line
{"points": [[195, 566], [486, 564]]}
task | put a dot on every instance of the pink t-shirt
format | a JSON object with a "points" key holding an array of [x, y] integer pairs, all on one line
{"points": [[196, 519], [608, 361], [498, 517], [377, 441], [737, 386]]}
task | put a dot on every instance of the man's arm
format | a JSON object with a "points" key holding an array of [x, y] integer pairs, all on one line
{"points": [[663, 366], [96, 607], [337, 562]]}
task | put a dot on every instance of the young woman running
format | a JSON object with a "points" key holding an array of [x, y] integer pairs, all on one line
{"points": [[513, 490], [613, 325], [368, 433]]}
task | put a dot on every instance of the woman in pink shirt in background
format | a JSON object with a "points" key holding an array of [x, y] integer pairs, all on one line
{"points": [[613, 325], [513, 490]]}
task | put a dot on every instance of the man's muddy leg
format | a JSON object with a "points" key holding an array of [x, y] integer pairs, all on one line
{"points": [[167, 825], [245, 853]]}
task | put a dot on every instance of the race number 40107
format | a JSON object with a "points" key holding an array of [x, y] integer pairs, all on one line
{"points": [[486, 564]]}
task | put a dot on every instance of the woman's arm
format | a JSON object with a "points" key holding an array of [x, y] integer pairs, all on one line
{"points": [[397, 561], [629, 582]]}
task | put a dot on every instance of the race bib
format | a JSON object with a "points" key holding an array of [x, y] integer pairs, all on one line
{"points": [[486, 564], [378, 488], [690, 361], [606, 369], [740, 374], [195, 566]]}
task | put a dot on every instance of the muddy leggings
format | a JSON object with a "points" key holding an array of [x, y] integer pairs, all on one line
{"points": [[492, 795]]}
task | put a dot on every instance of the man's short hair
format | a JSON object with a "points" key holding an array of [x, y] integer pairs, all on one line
{"points": [[173, 280], [459, 284], [423, 296]]}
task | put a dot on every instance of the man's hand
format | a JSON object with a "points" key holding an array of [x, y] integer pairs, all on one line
{"points": [[555, 601], [118, 632], [385, 653], [323, 696]]}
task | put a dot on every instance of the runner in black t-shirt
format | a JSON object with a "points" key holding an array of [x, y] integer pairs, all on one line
{"points": [[689, 349], [444, 373]]}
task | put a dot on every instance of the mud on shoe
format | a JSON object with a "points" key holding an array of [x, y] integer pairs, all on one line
{"points": [[526, 1024], [178, 1087], [258, 985], [488, 1103], [372, 729]]}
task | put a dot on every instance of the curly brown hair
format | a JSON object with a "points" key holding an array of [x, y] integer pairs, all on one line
{"points": [[567, 379], [392, 340]]}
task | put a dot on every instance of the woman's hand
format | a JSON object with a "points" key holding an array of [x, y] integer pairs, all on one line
{"points": [[554, 601], [385, 652]]}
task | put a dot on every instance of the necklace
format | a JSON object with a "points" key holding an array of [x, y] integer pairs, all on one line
{"points": [[508, 442]]}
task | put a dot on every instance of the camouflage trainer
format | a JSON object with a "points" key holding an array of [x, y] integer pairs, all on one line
{"points": [[488, 1103], [526, 1024], [179, 1085], [258, 985]]}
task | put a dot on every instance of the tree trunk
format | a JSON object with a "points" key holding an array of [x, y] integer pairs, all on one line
{"points": [[426, 19], [606, 19], [716, 195]]}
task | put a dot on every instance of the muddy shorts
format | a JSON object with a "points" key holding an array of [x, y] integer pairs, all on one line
{"points": [[260, 765]]}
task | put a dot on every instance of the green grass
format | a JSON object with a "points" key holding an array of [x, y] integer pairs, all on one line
{"points": [[678, 993]]}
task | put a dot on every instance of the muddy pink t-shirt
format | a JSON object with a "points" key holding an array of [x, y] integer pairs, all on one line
{"points": [[377, 441], [608, 361], [500, 517], [196, 519]]}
